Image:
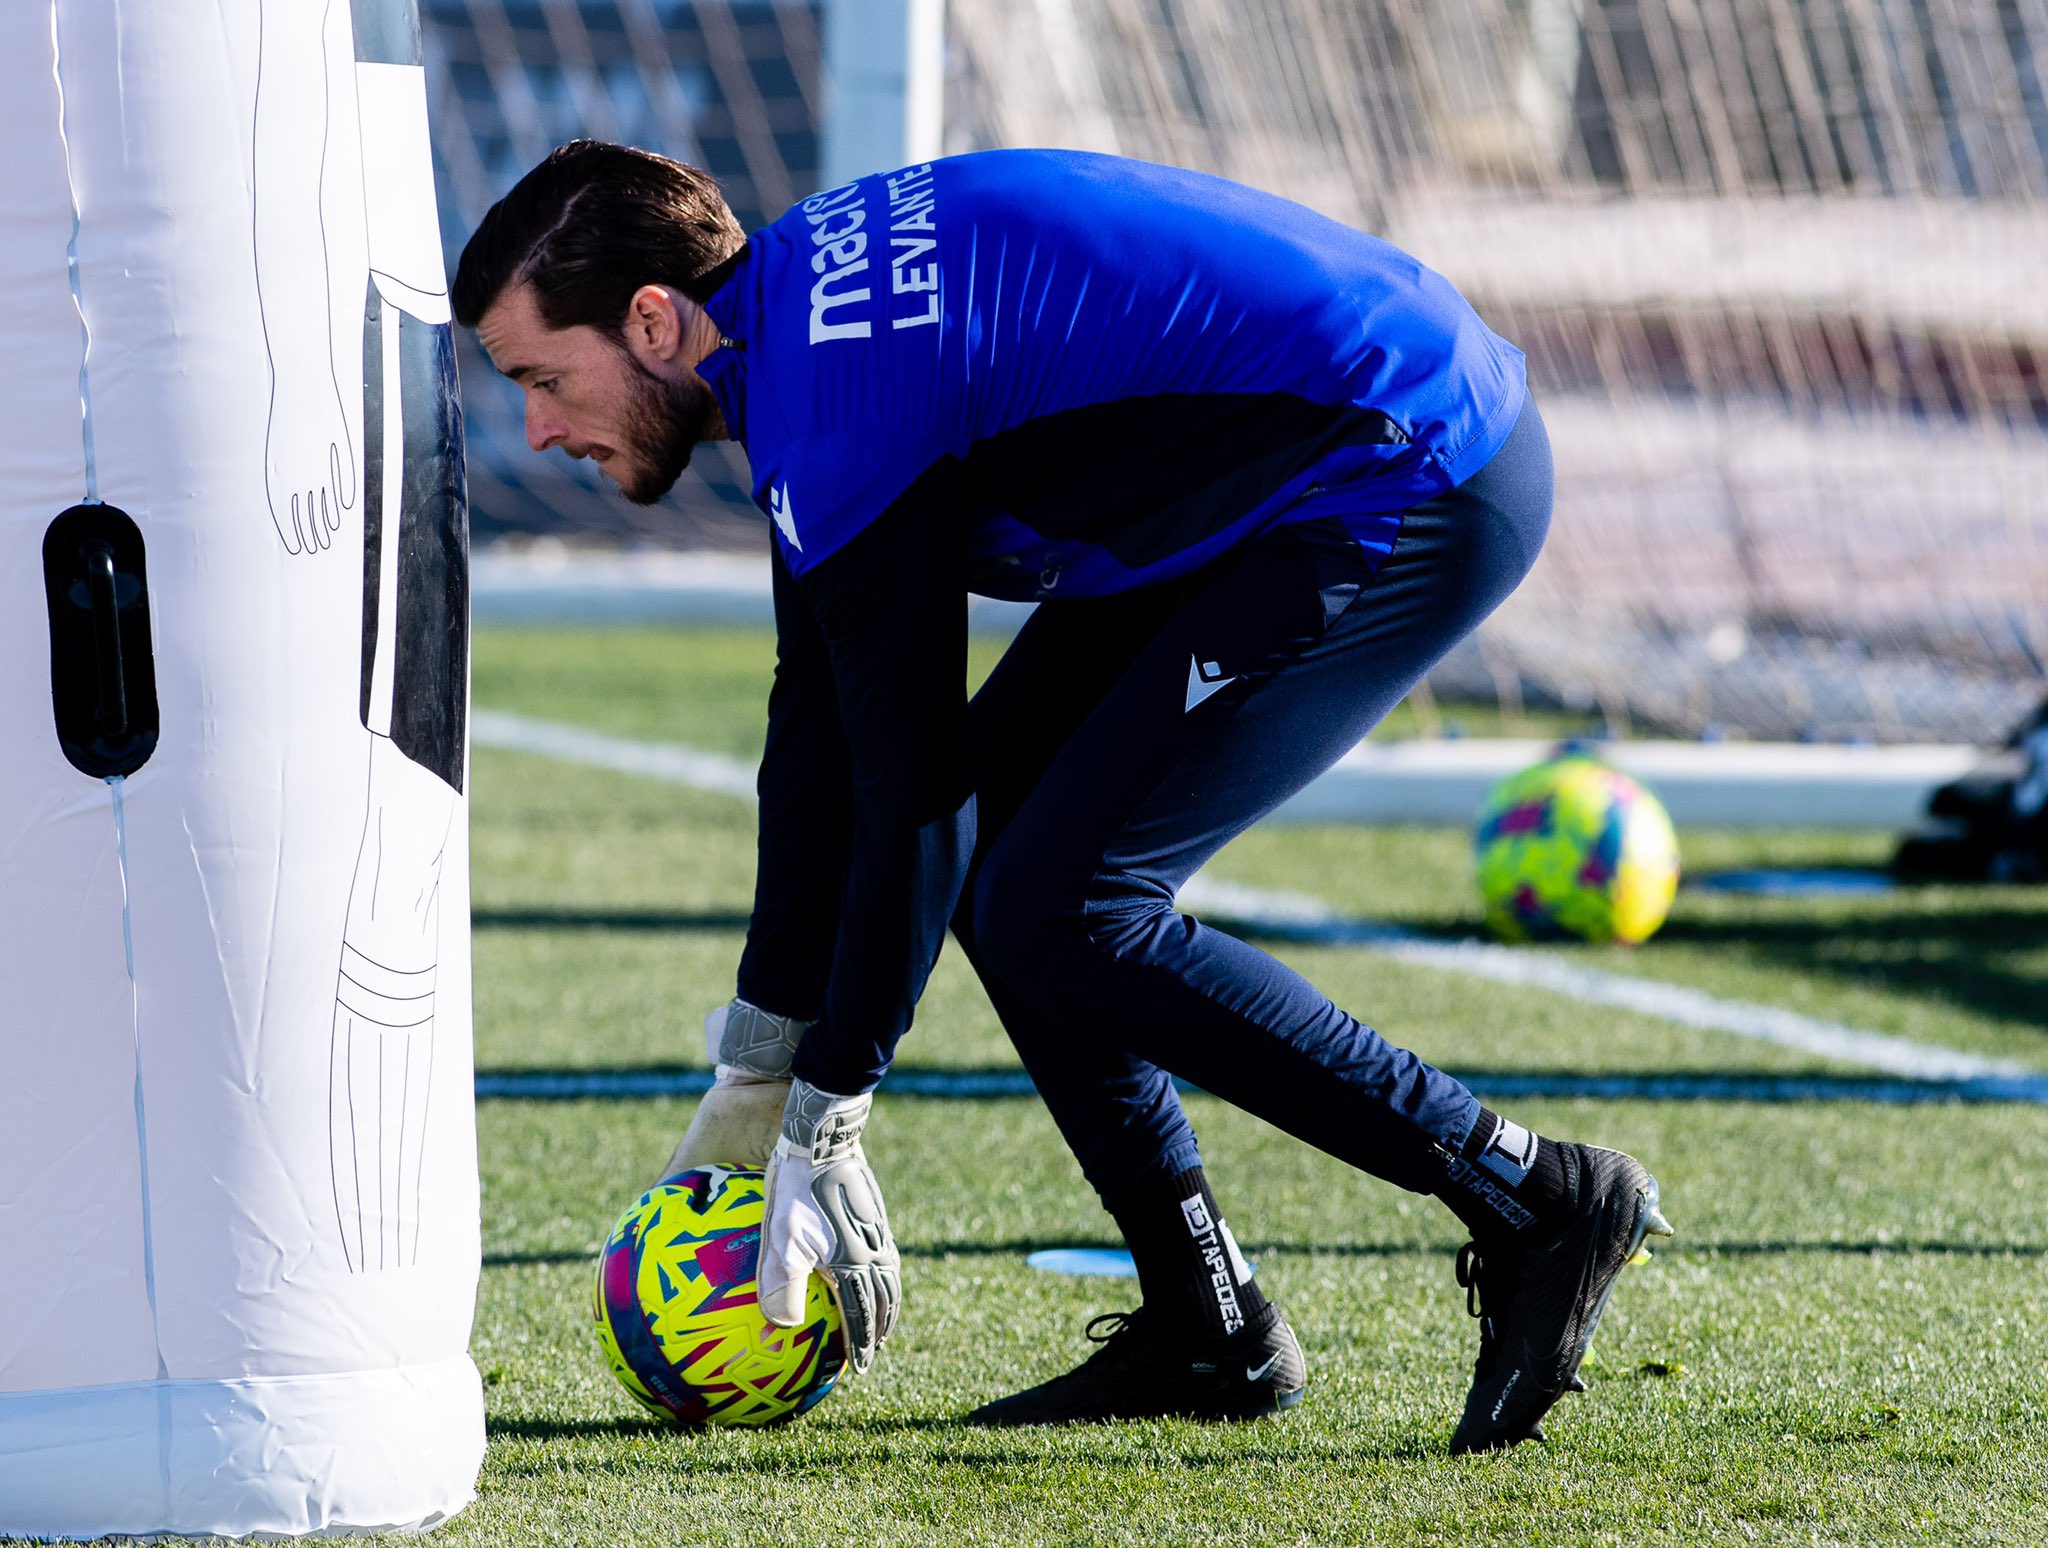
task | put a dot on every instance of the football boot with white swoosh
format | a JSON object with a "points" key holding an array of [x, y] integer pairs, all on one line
{"points": [[1143, 1371]]}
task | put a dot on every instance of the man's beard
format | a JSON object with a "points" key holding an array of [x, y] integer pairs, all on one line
{"points": [[664, 422]]}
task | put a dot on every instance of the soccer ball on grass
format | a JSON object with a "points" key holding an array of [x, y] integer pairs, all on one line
{"points": [[679, 1318], [1572, 847]]}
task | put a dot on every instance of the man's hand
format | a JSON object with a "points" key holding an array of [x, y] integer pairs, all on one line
{"points": [[825, 1213], [737, 1121]]}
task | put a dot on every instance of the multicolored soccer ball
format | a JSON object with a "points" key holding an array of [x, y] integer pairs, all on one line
{"points": [[679, 1319], [1572, 847]]}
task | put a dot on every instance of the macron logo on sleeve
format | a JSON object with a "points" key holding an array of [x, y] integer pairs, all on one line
{"points": [[778, 507]]}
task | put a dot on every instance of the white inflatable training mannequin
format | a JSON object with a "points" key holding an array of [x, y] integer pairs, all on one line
{"points": [[238, 1187]]}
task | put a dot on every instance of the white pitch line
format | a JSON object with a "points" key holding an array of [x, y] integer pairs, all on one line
{"points": [[1308, 918], [652, 760]]}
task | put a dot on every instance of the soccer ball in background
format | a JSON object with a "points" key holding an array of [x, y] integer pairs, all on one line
{"points": [[1572, 847], [679, 1318]]}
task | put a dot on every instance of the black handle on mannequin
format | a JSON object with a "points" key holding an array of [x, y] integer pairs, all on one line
{"points": [[102, 661], [112, 710]]}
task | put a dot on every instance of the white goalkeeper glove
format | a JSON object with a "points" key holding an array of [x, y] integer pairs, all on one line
{"points": [[738, 1119], [825, 1214]]}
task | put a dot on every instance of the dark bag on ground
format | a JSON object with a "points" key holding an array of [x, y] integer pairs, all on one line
{"points": [[1992, 824]]}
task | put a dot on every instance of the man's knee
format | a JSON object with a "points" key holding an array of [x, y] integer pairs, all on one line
{"points": [[1040, 926]]}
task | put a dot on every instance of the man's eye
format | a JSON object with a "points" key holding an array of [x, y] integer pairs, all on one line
{"points": [[549, 385]]}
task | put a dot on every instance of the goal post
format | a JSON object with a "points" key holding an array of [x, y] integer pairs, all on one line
{"points": [[884, 86]]}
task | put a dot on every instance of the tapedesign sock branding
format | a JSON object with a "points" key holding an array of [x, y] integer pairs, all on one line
{"points": [[1505, 1176], [1474, 1186], [1219, 1252], [1509, 1151], [1192, 1276]]}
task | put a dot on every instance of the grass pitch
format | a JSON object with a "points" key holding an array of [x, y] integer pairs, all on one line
{"points": [[1846, 1343]]}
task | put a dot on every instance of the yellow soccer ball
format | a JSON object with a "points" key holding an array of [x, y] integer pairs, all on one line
{"points": [[679, 1319], [1572, 847]]}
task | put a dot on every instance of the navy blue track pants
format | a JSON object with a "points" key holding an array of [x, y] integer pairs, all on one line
{"points": [[1122, 741]]}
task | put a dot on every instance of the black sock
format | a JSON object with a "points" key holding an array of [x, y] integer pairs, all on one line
{"points": [[1505, 1180], [1189, 1269]]}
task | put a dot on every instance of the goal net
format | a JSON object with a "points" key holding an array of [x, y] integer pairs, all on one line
{"points": [[1777, 264]]}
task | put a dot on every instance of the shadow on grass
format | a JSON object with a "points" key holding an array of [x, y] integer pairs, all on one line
{"points": [[546, 1256], [1679, 1247], [573, 1429], [1767, 1249], [1958, 957], [644, 920], [968, 1445], [1238, 1443]]}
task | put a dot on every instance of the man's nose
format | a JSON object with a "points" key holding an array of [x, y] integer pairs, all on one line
{"points": [[543, 429]]}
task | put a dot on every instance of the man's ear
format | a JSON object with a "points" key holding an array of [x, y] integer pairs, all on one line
{"points": [[657, 323]]}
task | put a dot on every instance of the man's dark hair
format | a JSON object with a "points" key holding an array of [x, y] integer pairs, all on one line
{"points": [[589, 226]]}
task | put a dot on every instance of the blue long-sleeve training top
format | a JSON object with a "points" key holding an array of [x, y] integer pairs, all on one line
{"points": [[1035, 375]]}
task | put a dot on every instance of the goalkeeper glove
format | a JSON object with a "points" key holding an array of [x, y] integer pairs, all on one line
{"points": [[825, 1213], [737, 1120]]}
